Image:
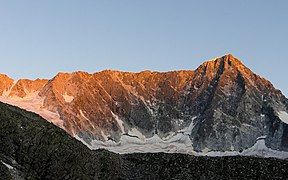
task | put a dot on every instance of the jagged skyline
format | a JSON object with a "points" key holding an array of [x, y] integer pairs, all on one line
{"points": [[40, 39]]}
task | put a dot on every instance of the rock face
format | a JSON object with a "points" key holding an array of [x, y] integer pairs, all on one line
{"points": [[26, 87], [234, 107], [32, 148], [221, 106], [5, 85]]}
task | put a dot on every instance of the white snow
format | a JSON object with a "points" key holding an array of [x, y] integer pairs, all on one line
{"points": [[68, 98], [220, 154], [34, 103], [178, 144], [214, 59], [119, 121], [104, 136], [261, 137], [190, 127], [82, 114], [81, 140], [135, 141], [7, 165], [259, 149], [136, 132], [283, 116]]}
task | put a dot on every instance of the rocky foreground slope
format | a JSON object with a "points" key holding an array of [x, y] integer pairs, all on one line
{"points": [[32, 148], [221, 106]]}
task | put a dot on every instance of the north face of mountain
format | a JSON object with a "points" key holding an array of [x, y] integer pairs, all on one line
{"points": [[221, 106], [234, 106]]}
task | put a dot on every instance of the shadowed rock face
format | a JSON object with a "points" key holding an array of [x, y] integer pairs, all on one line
{"points": [[230, 99], [232, 105], [36, 149]]}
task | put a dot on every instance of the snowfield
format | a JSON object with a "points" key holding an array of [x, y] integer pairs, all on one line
{"points": [[283, 116], [34, 103], [180, 143]]}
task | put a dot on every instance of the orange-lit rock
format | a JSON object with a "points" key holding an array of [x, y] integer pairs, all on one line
{"points": [[5, 84]]}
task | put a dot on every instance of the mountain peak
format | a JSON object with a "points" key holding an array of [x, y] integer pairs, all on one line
{"points": [[220, 64], [229, 58]]}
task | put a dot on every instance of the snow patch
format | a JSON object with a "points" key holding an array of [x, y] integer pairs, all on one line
{"points": [[259, 149], [82, 114], [190, 127], [7, 165], [283, 116], [104, 136], [214, 59], [68, 98], [179, 143], [81, 140], [137, 133], [135, 142], [220, 154], [119, 121], [34, 103], [261, 137]]}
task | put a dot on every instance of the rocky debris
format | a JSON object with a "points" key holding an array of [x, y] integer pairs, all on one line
{"points": [[180, 166], [39, 150]]}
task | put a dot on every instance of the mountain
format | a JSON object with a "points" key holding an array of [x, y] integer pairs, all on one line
{"points": [[32, 148], [221, 106]]}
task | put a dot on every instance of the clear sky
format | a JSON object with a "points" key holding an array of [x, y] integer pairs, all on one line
{"points": [[41, 38]]}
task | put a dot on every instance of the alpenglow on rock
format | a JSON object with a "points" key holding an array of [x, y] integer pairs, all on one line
{"points": [[221, 106]]}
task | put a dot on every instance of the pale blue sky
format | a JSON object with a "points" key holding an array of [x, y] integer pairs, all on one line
{"points": [[41, 38]]}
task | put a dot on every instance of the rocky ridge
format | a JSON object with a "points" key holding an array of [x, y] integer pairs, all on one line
{"points": [[221, 106]]}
